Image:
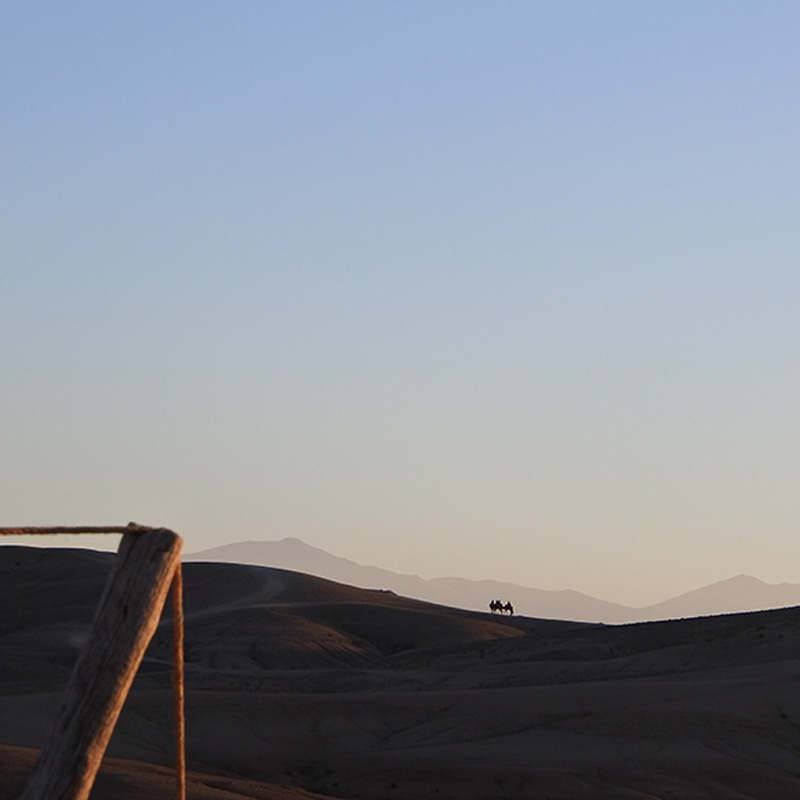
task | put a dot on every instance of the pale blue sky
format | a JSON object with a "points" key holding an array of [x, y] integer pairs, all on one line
{"points": [[495, 289]]}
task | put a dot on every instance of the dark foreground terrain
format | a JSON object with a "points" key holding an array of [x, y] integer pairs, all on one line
{"points": [[298, 687]]}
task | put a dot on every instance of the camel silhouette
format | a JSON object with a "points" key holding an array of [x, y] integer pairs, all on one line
{"points": [[498, 607]]}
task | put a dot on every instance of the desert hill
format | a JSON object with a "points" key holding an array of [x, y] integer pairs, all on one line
{"points": [[133, 780], [740, 593], [294, 554], [300, 687]]}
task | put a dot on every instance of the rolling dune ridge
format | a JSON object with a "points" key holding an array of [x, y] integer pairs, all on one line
{"points": [[298, 686]]}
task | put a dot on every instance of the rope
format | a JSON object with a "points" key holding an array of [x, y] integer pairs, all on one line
{"points": [[131, 527], [180, 718], [177, 610]]}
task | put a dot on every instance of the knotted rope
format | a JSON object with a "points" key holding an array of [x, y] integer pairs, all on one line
{"points": [[177, 609]]}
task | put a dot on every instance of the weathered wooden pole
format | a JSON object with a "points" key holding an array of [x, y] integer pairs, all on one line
{"points": [[123, 625], [178, 685]]}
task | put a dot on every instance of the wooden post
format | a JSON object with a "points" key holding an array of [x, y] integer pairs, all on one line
{"points": [[178, 685], [123, 625]]}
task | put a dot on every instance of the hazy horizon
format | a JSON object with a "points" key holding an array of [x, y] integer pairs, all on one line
{"points": [[486, 289], [110, 542]]}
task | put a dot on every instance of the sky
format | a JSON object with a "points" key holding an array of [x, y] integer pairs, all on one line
{"points": [[494, 289]]}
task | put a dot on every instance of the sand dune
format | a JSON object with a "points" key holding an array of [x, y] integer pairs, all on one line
{"points": [[740, 593], [297, 684], [293, 554], [134, 780]]}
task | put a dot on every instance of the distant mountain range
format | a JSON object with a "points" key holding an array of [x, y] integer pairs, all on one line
{"points": [[742, 593]]}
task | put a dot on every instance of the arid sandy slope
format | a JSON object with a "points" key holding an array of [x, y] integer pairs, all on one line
{"points": [[298, 687]]}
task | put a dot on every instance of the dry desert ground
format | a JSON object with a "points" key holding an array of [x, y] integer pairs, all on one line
{"points": [[298, 687]]}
